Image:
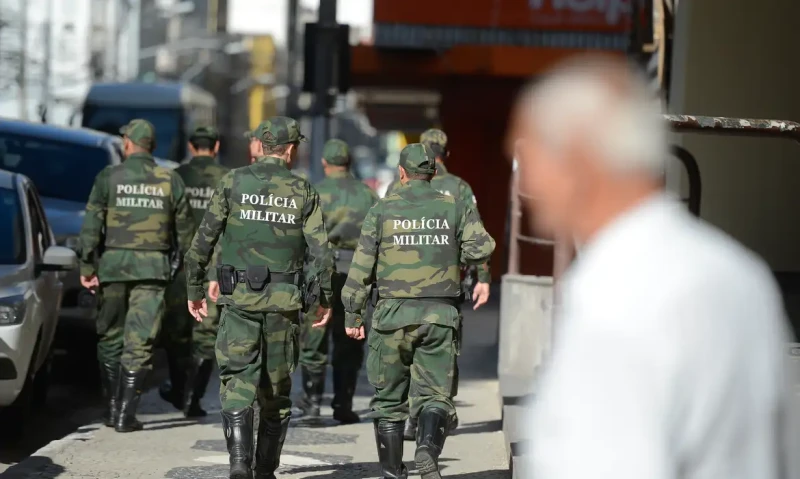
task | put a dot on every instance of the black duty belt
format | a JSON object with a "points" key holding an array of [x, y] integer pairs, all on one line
{"points": [[343, 258], [448, 300], [288, 278]]}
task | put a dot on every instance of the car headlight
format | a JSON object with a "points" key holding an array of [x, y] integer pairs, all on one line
{"points": [[12, 310]]}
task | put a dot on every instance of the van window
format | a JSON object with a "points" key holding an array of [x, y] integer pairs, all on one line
{"points": [[167, 123]]}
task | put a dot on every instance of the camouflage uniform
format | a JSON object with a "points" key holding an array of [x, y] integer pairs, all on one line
{"points": [[262, 216], [345, 202], [450, 185], [135, 215], [189, 344], [411, 245]]}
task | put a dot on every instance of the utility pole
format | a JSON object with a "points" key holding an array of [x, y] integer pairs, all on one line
{"points": [[48, 58], [22, 78], [325, 56], [291, 59]]}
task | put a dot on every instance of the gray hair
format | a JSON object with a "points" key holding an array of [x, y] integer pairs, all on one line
{"points": [[605, 105]]}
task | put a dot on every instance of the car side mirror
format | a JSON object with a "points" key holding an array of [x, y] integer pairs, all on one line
{"points": [[58, 258]]}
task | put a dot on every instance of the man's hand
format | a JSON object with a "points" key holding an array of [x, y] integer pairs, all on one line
{"points": [[480, 295], [213, 290], [355, 333], [198, 309], [90, 282], [323, 315]]}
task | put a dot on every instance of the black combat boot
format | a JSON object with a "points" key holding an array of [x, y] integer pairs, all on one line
{"points": [[172, 391], [313, 388], [111, 392], [132, 385], [196, 383], [238, 427], [344, 387], [410, 433], [271, 436], [389, 439], [434, 423]]}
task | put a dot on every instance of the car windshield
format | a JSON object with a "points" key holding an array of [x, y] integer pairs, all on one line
{"points": [[59, 170], [12, 238], [166, 122]]}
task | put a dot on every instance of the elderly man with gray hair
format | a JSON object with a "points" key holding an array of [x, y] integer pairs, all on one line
{"points": [[670, 350]]}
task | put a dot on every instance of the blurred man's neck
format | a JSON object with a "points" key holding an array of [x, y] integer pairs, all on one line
{"points": [[335, 170], [614, 201]]}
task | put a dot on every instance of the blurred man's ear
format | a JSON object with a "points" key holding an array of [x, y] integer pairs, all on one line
{"points": [[324, 163], [403, 174], [216, 147]]}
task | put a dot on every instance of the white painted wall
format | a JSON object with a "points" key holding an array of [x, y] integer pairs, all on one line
{"points": [[739, 58]]}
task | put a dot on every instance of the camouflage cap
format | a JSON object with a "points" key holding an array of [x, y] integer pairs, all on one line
{"points": [[141, 133], [208, 132], [278, 130], [418, 158], [336, 152], [434, 139]]}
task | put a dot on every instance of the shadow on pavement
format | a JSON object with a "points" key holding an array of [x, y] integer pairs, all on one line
{"points": [[478, 427], [36, 466], [364, 470]]}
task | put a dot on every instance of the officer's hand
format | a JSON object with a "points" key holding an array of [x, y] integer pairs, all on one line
{"points": [[90, 282], [213, 290], [323, 315], [198, 309], [355, 333], [481, 295]]}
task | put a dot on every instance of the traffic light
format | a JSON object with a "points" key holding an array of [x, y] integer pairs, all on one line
{"points": [[339, 74]]}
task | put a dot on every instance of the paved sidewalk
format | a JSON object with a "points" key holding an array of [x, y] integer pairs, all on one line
{"points": [[172, 447]]}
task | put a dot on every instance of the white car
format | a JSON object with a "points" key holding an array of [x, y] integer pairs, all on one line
{"points": [[31, 267]]}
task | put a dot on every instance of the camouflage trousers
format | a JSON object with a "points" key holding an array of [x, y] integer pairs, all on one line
{"points": [[128, 322], [412, 368], [181, 334], [256, 354], [348, 353]]}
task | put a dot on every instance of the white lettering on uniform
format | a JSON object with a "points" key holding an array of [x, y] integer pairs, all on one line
{"points": [[147, 196], [265, 215], [404, 226]]}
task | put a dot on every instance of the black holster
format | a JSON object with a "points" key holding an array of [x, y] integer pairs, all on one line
{"points": [[311, 294], [257, 278], [226, 276]]}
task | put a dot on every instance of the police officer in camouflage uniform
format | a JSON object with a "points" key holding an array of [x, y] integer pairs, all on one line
{"points": [[266, 220], [189, 344], [412, 244], [345, 202], [137, 214], [451, 185]]}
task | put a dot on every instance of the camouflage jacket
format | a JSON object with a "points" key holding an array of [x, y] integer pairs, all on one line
{"points": [[262, 214], [345, 203], [201, 175], [136, 215], [412, 244], [452, 185]]}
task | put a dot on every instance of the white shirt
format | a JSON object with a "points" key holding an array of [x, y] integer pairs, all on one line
{"points": [[669, 358]]}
